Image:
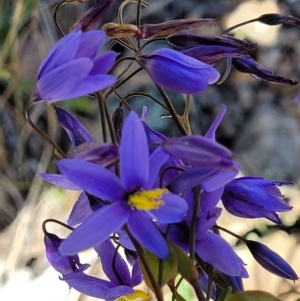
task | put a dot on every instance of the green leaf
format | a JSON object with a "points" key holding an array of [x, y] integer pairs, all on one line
{"points": [[252, 296], [167, 266], [186, 267], [225, 294]]}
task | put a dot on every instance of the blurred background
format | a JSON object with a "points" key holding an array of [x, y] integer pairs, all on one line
{"points": [[261, 126]]}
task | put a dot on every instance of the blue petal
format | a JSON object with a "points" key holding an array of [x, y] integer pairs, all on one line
{"points": [[157, 159], [173, 210], [178, 72], [134, 154], [63, 52], [80, 211], [137, 276], [146, 233], [93, 178], [52, 86], [217, 252], [88, 285], [96, 228], [103, 63], [112, 263], [211, 133], [77, 133], [118, 291], [90, 43], [59, 180], [210, 199]]}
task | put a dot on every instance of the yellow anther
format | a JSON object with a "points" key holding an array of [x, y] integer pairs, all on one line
{"points": [[138, 295], [147, 199]]}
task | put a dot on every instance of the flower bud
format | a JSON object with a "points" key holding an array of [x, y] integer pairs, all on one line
{"points": [[271, 261], [277, 19], [148, 31], [119, 31], [91, 18]]}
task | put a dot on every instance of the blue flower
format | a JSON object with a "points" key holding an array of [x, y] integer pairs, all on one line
{"points": [[131, 199], [178, 72], [73, 69], [252, 197], [271, 261]]}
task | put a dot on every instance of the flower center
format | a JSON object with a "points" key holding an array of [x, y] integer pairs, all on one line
{"points": [[138, 295], [147, 199]]}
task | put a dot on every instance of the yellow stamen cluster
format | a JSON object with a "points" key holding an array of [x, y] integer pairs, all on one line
{"points": [[138, 295], [147, 199]]}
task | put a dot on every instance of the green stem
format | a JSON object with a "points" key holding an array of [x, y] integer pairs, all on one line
{"points": [[102, 115]]}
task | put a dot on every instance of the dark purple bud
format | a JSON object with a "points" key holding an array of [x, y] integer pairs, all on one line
{"points": [[191, 40], [93, 17], [249, 65], [277, 19], [118, 121], [271, 261], [100, 153], [148, 31], [63, 264], [210, 54], [77, 133]]}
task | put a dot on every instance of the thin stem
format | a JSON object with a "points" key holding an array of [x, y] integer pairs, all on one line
{"points": [[102, 115], [196, 207], [231, 233], [198, 289], [123, 82], [227, 71], [172, 110], [126, 58], [123, 101], [40, 132], [109, 123], [155, 286], [210, 283], [56, 8], [239, 25], [133, 94], [162, 174], [51, 220], [149, 42]]}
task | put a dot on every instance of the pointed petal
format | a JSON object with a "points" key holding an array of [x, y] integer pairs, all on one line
{"points": [[103, 63], [88, 285], [90, 43], [145, 232], [77, 133], [173, 210], [59, 180], [80, 211], [217, 252], [113, 263], [137, 276], [96, 228], [211, 133], [118, 291], [134, 154], [210, 199], [92, 178], [157, 159], [52, 86], [64, 51]]}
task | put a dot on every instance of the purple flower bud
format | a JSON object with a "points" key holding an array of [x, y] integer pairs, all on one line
{"points": [[271, 261], [249, 65], [276, 19], [148, 31], [71, 69], [63, 264], [178, 72], [185, 40], [252, 197], [211, 54], [93, 17], [77, 133]]}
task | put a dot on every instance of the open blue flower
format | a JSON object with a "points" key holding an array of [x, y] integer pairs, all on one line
{"points": [[178, 72], [131, 199], [73, 69]]}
